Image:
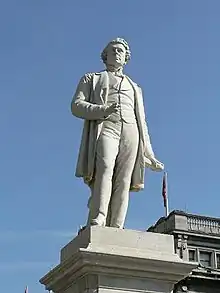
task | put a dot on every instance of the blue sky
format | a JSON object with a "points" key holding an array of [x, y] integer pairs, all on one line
{"points": [[45, 47]]}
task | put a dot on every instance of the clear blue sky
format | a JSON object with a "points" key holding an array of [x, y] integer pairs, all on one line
{"points": [[45, 47]]}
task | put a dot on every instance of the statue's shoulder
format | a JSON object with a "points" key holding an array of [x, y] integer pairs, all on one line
{"points": [[87, 77]]}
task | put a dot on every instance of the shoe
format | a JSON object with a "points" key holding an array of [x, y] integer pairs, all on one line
{"points": [[98, 221], [95, 222]]}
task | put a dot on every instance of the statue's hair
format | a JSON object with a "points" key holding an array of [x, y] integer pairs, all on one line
{"points": [[117, 41]]}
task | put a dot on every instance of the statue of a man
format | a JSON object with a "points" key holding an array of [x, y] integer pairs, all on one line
{"points": [[115, 146]]}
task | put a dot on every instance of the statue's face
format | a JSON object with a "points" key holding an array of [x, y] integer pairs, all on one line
{"points": [[116, 54]]}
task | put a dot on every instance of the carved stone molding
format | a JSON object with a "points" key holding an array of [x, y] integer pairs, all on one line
{"points": [[181, 246]]}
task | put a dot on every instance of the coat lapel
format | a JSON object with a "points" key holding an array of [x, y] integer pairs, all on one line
{"points": [[101, 87], [136, 88], [139, 108]]}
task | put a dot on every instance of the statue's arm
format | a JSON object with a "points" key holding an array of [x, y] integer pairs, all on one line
{"points": [[148, 148], [155, 165], [80, 106]]}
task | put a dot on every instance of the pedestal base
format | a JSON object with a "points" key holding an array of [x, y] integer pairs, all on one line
{"points": [[111, 260]]}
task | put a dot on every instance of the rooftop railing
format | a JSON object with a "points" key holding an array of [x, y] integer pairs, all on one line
{"points": [[203, 224]]}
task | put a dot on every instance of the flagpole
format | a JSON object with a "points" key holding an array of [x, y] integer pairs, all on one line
{"points": [[167, 205], [165, 194]]}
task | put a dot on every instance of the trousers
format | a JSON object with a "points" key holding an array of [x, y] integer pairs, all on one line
{"points": [[116, 153]]}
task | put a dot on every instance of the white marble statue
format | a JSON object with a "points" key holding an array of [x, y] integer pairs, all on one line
{"points": [[115, 146]]}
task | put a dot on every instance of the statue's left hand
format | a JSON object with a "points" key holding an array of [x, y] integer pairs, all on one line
{"points": [[154, 164]]}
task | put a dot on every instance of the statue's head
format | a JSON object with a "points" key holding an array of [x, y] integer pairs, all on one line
{"points": [[117, 53]]}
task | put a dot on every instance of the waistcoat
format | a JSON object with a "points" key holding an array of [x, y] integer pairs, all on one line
{"points": [[121, 91]]}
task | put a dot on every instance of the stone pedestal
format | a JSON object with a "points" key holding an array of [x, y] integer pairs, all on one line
{"points": [[111, 260]]}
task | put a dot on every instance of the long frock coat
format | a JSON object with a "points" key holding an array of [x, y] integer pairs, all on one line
{"points": [[89, 104]]}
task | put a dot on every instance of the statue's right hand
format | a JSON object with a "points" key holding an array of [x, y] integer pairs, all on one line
{"points": [[114, 108]]}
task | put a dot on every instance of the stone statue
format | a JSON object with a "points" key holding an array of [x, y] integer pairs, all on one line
{"points": [[115, 146]]}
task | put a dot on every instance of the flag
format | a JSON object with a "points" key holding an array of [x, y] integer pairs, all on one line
{"points": [[26, 289], [164, 190]]}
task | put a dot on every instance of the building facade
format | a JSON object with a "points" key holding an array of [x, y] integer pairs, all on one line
{"points": [[196, 239]]}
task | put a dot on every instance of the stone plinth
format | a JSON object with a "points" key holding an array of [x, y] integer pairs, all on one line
{"points": [[111, 260]]}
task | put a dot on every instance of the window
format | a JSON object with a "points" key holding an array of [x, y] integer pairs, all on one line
{"points": [[192, 255], [218, 260], [205, 258]]}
